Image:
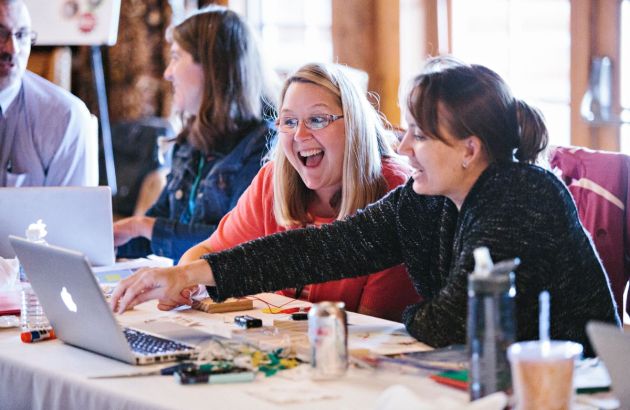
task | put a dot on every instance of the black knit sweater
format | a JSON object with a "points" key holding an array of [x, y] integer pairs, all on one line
{"points": [[515, 210]]}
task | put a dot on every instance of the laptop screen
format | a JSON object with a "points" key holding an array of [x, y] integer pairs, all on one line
{"points": [[612, 345], [76, 218]]}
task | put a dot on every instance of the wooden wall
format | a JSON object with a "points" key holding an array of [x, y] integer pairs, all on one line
{"points": [[390, 40], [365, 36], [595, 31]]}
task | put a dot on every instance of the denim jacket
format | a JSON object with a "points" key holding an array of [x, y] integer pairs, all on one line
{"points": [[223, 178]]}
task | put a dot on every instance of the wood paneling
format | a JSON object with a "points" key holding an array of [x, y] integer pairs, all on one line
{"points": [[366, 37], [390, 40], [595, 31], [387, 62], [581, 29]]}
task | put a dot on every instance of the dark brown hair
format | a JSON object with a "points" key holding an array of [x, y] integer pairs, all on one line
{"points": [[238, 89], [474, 100]]}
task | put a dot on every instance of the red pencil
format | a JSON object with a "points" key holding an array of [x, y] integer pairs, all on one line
{"points": [[458, 384]]}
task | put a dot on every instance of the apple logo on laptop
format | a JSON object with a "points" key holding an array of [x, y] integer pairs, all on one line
{"points": [[67, 300]]}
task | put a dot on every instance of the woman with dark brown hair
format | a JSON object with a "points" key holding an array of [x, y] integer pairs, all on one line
{"points": [[473, 147], [226, 98]]}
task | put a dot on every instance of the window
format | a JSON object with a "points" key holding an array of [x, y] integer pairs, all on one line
{"points": [[528, 42], [292, 32]]}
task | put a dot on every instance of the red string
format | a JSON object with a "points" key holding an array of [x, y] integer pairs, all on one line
{"points": [[271, 306]]}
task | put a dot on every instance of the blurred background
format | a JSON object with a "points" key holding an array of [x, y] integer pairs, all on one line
{"points": [[570, 58]]}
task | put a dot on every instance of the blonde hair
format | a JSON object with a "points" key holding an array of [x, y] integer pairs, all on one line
{"points": [[367, 141]]}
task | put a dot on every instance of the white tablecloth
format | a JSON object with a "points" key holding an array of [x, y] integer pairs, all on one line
{"points": [[52, 375]]}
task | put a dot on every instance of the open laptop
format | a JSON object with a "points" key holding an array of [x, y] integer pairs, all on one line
{"points": [[76, 308], [75, 217], [612, 345]]}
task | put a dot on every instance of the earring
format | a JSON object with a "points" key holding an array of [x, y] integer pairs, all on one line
{"points": [[464, 164]]}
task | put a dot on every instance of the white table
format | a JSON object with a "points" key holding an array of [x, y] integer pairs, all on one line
{"points": [[53, 375]]}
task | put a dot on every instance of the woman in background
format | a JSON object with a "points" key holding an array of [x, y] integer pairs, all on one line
{"points": [[333, 156], [225, 96], [473, 147]]}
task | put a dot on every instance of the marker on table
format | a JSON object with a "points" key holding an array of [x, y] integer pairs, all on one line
{"points": [[38, 335]]}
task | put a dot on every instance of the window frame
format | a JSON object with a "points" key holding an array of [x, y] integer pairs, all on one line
{"points": [[595, 30]]}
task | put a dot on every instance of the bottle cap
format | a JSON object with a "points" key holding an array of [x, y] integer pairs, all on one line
{"points": [[500, 278], [483, 262]]}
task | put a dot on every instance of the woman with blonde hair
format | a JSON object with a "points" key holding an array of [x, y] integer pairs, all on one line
{"points": [[225, 95], [333, 156]]}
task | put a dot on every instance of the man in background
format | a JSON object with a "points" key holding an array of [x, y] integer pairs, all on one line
{"points": [[43, 128]]}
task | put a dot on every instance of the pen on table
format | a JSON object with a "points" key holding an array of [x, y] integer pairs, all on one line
{"points": [[165, 371], [38, 335]]}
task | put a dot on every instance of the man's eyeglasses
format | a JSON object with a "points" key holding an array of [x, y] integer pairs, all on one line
{"points": [[22, 37], [312, 122]]}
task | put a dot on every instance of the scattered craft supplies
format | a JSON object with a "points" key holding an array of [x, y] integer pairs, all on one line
{"points": [[453, 378], [221, 361], [454, 357], [37, 335]]}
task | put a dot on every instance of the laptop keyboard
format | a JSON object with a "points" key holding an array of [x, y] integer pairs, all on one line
{"points": [[147, 344]]}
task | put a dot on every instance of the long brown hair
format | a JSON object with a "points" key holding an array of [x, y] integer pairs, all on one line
{"points": [[239, 89], [474, 100]]}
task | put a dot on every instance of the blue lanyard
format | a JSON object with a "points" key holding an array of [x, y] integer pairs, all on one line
{"points": [[192, 199]]}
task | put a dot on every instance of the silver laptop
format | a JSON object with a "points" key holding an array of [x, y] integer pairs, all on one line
{"points": [[76, 308], [612, 345], [75, 217]]}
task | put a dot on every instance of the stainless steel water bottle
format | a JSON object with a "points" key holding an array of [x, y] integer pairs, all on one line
{"points": [[491, 324]]}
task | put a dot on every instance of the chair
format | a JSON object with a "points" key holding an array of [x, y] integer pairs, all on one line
{"points": [[600, 184], [140, 173], [150, 188]]}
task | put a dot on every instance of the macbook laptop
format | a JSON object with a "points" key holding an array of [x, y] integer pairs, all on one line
{"points": [[76, 308], [612, 345], [75, 217]]}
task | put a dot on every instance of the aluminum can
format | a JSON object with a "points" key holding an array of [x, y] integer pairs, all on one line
{"points": [[328, 335]]}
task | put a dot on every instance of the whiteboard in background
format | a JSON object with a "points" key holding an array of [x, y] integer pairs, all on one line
{"points": [[75, 22]]}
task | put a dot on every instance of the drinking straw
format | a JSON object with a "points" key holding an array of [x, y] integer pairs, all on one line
{"points": [[543, 320]]}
